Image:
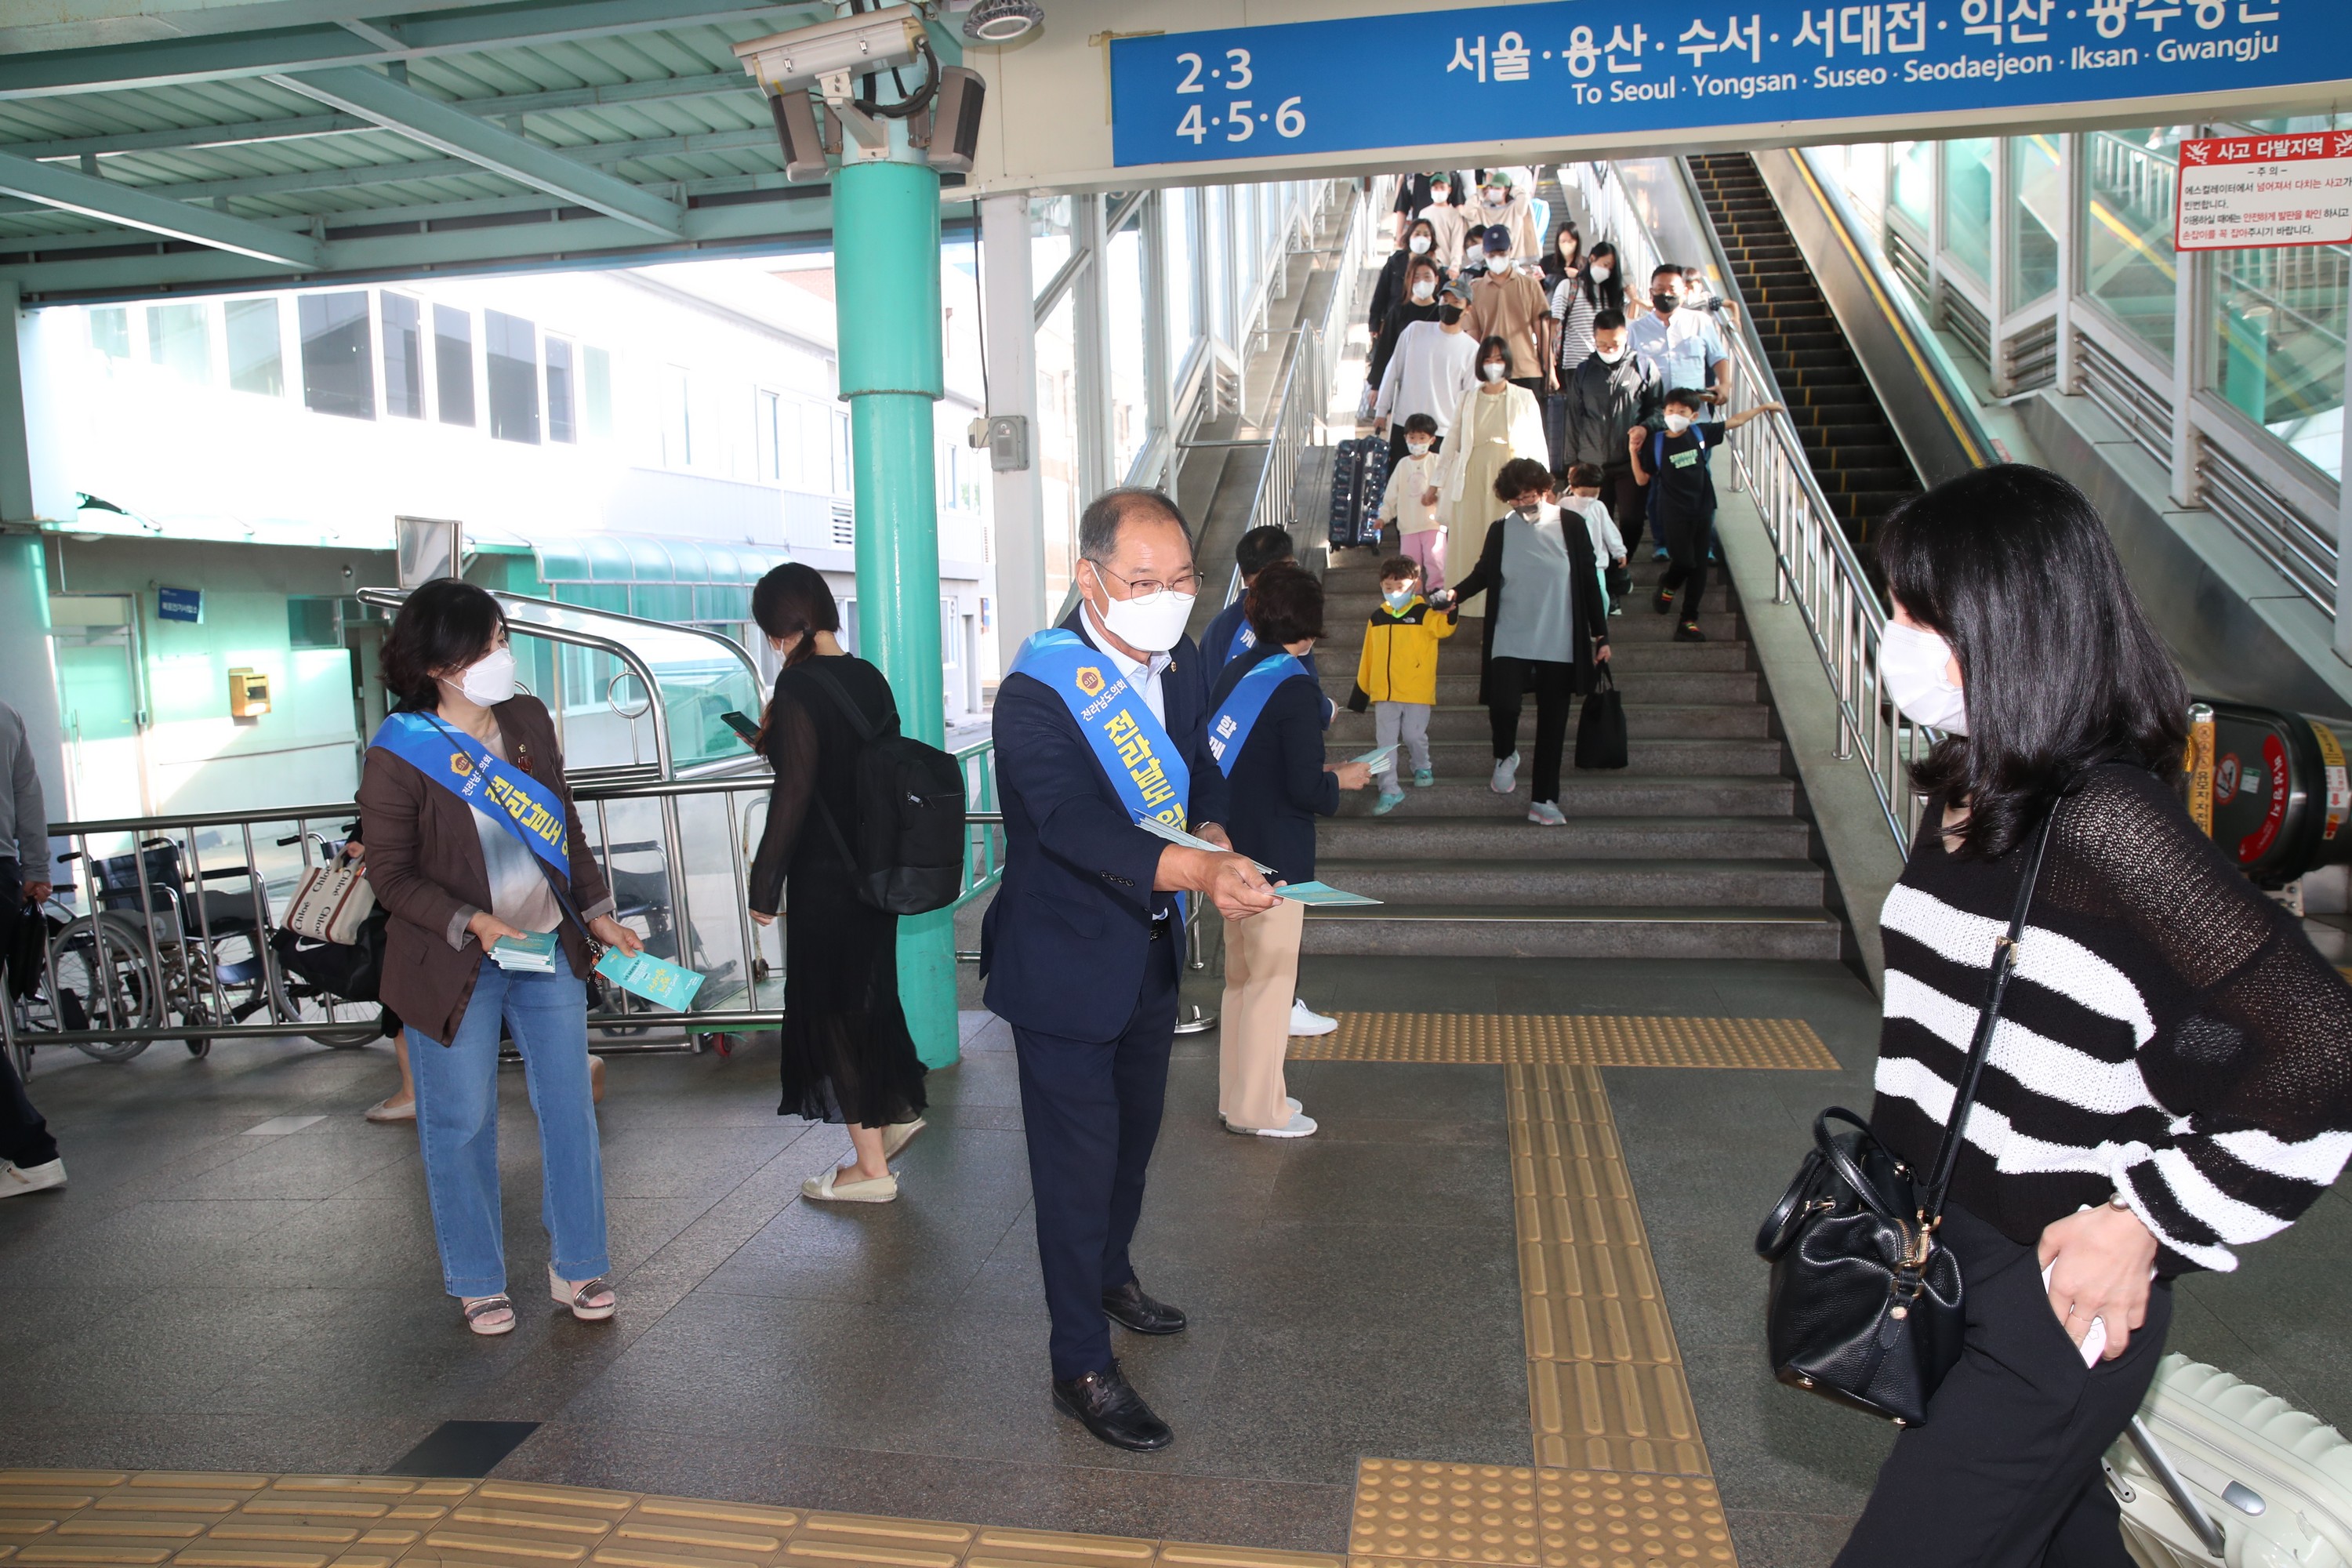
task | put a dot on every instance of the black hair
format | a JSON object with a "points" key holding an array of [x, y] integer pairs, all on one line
{"points": [[1421, 424], [1661, 269], [1108, 513], [1488, 347], [1421, 223], [443, 625], [1568, 228], [1284, 604], [2012, 567], [1608, 321], [1608, 296], [1261, 548], [1517, 477], [1582, 476], [1684, 397], [1399, 569], [794, 600]]}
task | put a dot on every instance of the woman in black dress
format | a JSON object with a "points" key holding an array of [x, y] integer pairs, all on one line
{"points": [[847, 1055]]}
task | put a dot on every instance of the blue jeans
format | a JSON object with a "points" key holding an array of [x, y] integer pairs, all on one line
{"points": [[457, 1128]]}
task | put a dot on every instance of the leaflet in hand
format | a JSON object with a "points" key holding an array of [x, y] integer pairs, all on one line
{"points": [[1376, 756], [653, 979], [1160, 829], [1322, 894], [534, 953]]}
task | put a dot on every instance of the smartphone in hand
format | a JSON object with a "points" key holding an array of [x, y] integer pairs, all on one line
{"points": [[742, 726]]}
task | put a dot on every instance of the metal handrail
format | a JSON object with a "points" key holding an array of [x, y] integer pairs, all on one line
{"points": [[174, 932], [1815, 565]]}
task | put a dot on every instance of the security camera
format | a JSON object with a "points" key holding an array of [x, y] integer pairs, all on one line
{"points": [[802, 58]]}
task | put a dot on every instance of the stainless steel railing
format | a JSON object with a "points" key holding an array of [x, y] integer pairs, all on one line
{"points": [[147, 943], [1815, 566]]}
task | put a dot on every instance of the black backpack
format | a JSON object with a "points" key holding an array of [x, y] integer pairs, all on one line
{"points": [[909, 850]]}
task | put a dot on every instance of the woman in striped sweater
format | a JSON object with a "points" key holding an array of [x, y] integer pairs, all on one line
{"points": [[2172, 1079]]}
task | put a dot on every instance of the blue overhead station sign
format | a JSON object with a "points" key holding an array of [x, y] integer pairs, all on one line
{"points": [[1584, 68]]}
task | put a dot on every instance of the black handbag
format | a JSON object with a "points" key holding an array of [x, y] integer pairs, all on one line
{"points": [[350, 970], [1601, 728], [1864, 1308]]}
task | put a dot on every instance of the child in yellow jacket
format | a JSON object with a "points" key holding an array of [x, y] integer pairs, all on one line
{"points": [[1397, 675]]}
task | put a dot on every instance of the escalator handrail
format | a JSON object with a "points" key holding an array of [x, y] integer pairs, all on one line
{"points": [[1936, 369]]}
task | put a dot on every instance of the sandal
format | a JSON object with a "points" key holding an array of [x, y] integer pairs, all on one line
{"points": [[832, 1189], [385, 1110], [489, 1315], [898, 1134], [583, 1298]]}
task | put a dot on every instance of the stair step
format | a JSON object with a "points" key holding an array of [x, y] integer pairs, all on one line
{"points": [[1660, 686], [1626, 793], [1400, 835], [1656, 756], [1574, 884], [1443, 932], [1643, 721]]}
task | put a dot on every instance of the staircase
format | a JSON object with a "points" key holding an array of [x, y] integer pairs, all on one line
{"points": [[1853, 450], [1698, 849]]}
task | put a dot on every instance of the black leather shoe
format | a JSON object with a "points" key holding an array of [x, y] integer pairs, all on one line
{"points": [[1109, 1406], [1129, 1308]]}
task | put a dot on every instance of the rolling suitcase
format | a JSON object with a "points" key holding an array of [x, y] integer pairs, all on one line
{"points": [[1371, 484], [1344, 460], [2253, 1483]]}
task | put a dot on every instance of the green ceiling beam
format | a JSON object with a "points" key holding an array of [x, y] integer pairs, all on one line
{"points": [[356, 89], [165, 62], [77, 193]]}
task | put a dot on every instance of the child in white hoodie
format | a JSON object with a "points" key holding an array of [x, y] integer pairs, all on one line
{"points": [[1412, 474], [1579, 492]]}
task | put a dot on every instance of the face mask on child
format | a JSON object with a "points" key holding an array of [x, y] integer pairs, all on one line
{"points": [[1418, 448], [1677, 422], [1397, 599]]}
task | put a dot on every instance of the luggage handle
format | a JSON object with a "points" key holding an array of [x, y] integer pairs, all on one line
{"points": [[2208, 1529]]}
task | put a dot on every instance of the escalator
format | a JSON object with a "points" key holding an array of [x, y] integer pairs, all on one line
{"points": [[1855, 454]]}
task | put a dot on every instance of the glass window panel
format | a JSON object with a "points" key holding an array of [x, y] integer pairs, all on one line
{"points": [[678, 419], [596, 387], [767, 422], [2277, 355], [950, 642], [254, 359], [110, 331], [403, 356], [2037, 197], [2128, 190], [1176, 209], [662, 602], [453, 365], [561, 393], [1057, 444], [1861, 171], [1968, 203], [1050, 241], [1914, 180], [842, 482], [1130, 404], [312, 621], [179, 338], [337, 377], [512, 345]]}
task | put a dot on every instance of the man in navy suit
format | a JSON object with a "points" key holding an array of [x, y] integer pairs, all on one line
{"points": [[1083, 943]]}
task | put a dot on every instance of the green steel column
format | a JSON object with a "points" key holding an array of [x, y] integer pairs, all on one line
{"points": [[885, 239]]}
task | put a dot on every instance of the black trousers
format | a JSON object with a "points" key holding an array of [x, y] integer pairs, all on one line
{"points": [[1507, 682], [1685, 539], [1628, 502], [2005, 1471], [1091, 1109], [24, 1137]]}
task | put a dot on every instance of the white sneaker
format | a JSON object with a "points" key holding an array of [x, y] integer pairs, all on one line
{"points": [[1300, 1125], [1544, 813], [1507, 775], [14, 1179], [1294, 1107], [1305, 1020]]}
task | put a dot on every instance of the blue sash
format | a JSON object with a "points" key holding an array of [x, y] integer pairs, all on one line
{"points": [[1230, 725], [465, 767], [1143, 763], [1244, 639]]}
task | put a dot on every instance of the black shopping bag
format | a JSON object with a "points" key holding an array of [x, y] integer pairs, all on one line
{"points": [[1600, 731]]}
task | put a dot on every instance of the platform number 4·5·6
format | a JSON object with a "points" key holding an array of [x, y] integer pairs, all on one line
{"points": [[1242, 117]]}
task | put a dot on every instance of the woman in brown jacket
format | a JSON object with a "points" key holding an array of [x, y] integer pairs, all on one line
{"points": [[457, 877]]}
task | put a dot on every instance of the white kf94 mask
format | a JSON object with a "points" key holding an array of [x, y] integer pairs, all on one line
{"points": [[1911, 661]]}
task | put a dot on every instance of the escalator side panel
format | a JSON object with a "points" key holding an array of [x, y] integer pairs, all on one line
{"points": [[1932, 415]]}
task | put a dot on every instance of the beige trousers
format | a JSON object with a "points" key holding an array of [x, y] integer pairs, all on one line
{"points": [[1253, 1031]]}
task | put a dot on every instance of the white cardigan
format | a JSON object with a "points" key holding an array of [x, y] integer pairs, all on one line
{"points": [[1526, 426]]}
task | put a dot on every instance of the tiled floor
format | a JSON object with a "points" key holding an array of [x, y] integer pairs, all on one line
{"points": [[206, 1296]]}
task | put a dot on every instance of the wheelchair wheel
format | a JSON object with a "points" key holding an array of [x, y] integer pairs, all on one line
{"points": [[342, 1025], [103, 981]]}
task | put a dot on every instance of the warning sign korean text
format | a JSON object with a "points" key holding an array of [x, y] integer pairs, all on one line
{"points": [[2251, 193]]}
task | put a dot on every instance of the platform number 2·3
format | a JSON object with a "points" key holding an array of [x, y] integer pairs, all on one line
{"points": [[1241, 120]]}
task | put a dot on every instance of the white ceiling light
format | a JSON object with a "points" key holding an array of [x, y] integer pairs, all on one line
{"points": [[1003, 21]]}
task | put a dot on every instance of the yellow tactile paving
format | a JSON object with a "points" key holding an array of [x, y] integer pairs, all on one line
{"points": [[105, 1519], [1605, 1386], [1409, 1514], [1569, 1039]]}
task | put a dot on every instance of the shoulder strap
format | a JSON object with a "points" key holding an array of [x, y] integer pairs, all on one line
{"points": [[2005, 957], [866, 728]]}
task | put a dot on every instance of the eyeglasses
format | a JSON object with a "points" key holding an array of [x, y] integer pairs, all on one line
{"points": [[1144, 590]]}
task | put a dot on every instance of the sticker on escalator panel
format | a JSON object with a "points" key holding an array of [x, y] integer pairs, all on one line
{"points": [[2339, 785], [2255, 845]]}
